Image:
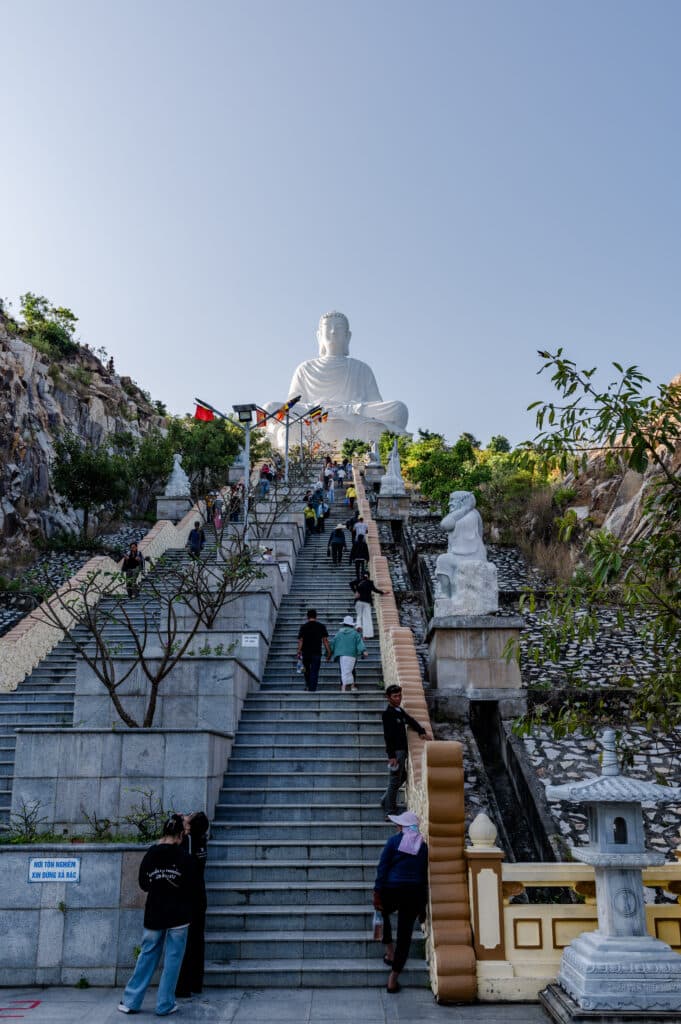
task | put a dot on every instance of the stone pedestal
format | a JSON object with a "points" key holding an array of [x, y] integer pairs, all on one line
{"points": [[474, 589], [373, 475], [173, 509], [235, 475], [388, 507], [466, 662]]}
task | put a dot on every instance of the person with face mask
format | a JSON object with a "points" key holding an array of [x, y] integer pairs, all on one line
{"points": [[195, 843]]}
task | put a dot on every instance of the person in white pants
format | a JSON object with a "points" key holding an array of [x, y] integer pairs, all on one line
{"points": [[363, 591], [347, 646]]}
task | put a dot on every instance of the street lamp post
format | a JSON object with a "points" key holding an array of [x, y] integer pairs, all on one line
{"points": [[245, 417]]}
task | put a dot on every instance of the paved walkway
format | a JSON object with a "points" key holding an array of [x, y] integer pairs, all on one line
{"points": [[261, 1006]]}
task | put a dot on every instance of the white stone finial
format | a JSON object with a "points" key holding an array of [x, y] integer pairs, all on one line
{"points": [[392, 483], [609, 762], [483, 832], [178, 485]]}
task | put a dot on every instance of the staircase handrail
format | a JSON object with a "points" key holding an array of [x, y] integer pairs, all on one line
{"points": [[434, 791]]}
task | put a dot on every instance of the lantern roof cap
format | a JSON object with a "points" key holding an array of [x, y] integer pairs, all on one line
{"points": [[613, 787]]}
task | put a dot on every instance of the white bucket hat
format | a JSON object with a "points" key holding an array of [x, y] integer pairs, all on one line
{"points": [[406, 819], [348, 620]]}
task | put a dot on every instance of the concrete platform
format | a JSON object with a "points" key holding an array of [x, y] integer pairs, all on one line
{"points": [[262, 1006]]}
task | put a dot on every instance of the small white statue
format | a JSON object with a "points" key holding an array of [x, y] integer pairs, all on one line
{"points": [[466, 581], [392, 483], [374, 458], [178, 485]]}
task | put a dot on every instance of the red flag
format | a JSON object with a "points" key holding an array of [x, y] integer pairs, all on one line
{"points": [[260, 417], [307, 422], [202, 413]]}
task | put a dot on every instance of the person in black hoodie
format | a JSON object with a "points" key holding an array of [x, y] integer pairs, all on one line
{"points": [[190, 981], [166, 876]]}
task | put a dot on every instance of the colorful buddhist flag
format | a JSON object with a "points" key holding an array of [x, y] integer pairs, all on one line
{"points": [[316, 413], [204, 413], [260, 417], [325, 417]]}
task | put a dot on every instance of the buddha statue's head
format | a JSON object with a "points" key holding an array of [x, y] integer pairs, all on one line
{"points": [[333, 334]]}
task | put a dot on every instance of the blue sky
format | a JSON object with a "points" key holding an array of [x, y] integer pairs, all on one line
{"points": [[468, 182]]}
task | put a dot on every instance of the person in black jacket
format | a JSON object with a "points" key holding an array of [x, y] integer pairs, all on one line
{"points": [[337, 545], [359, 554], [395, 723], [401, 885], [195, 844], [166, 876]]}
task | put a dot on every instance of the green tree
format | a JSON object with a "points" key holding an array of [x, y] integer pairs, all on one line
{"points": [[439, 469], [152, 464], [499, 443], [471, 439], [353, 446], [207, 449], [90, 478], [633, 428], [50, 328]]}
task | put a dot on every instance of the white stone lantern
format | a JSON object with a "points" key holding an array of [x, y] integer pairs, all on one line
{"points": [[619, 967]]}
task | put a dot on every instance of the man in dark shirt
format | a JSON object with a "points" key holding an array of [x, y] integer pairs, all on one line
{"points": [[395, 722], [311, 636]]}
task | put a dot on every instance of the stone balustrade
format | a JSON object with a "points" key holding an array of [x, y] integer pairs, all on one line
{"points": [[434, 791], [32, 639]]}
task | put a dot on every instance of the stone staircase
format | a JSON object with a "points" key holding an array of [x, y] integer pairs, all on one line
{"points": [[298, 829]]}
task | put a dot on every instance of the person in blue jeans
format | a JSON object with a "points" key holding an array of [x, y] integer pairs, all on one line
{"points": [[166, 875]]}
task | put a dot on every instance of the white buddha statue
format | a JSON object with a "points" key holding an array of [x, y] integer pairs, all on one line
{"points": [[345, 387]]}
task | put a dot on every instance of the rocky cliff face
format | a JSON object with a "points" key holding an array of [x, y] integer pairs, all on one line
{"points": [[39, 398], [614, 501]]}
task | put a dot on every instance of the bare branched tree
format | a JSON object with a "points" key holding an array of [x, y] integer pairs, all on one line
{"points": [[116, 635]]}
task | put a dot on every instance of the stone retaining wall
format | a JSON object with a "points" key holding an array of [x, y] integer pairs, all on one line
{"points": [[56, 933], [74, 772]]}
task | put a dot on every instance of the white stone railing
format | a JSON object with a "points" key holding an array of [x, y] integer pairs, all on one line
{"points": [[519, 945], [32, 639]]}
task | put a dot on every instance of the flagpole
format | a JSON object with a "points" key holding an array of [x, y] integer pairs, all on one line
{"points": [[288, 420]]}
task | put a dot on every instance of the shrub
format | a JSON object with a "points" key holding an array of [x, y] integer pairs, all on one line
{"points": [[52, 339], [81, 375]]}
